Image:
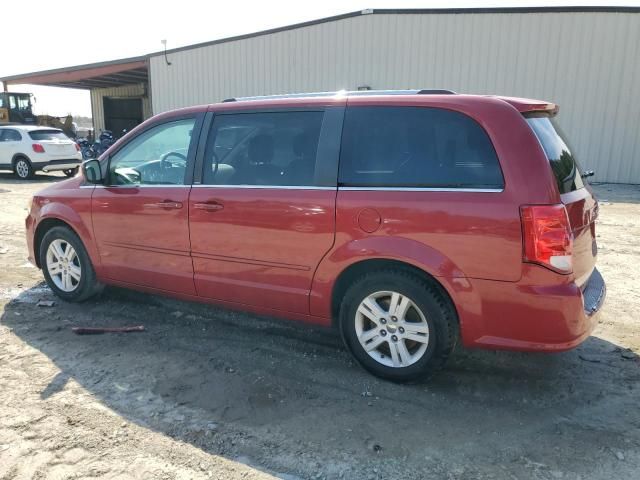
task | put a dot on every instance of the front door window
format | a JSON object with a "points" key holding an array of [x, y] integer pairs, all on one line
{"points": [[156, 157]]}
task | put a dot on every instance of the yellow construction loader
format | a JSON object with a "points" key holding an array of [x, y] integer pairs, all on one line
{"points": [[17, 108]]}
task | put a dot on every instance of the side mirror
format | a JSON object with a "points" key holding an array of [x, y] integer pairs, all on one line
{"points": [[92, 171]]}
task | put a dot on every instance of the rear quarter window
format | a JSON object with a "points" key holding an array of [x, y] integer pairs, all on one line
{"points": [[44, 135], [416, 147], [564, 165]]}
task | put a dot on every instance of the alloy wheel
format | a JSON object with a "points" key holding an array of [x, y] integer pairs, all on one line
{"points": [[22, 168], [392, 329], [63, 265]]}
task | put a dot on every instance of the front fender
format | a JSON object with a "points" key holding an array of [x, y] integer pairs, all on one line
{"points": [[399, 249], [77, 214]]}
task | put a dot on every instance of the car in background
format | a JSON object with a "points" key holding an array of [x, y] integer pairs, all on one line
{"points": [[409, 220], [28, 149]]}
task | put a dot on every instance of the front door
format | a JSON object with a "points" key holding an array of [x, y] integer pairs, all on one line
{"points": [[263, 215], [140, 217]]}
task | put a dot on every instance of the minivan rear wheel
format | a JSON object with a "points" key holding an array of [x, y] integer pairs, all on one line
{"points": [[397, 325], [66, 265]]}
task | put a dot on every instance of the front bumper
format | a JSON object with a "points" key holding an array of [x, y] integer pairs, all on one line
{"points": [[542, 312], [30, 226], [56, 165]]}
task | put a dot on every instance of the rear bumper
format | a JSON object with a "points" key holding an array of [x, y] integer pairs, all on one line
{"points": [[55, 165], [533, 314]]}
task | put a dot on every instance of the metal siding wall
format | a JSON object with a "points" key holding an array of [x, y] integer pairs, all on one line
{"points": [[97, 105], [588, 63]]}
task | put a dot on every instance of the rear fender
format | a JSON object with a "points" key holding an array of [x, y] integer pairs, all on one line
{"points": [[404, 250]]}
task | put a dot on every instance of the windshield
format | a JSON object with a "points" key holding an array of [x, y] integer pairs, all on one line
{"points": [[563, 163]]}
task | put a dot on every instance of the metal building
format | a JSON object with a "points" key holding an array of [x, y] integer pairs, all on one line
{"points": [[586, 59]]}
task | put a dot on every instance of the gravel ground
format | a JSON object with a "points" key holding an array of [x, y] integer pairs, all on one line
{"points": [[209, 393]]}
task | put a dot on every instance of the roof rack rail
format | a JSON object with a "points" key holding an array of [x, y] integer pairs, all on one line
{"points": [[436, 92], [354, 93]]}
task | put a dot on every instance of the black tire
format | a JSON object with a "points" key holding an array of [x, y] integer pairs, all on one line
{"points": [[22, 168], [71, 172], [88, 285], [438, 312]]}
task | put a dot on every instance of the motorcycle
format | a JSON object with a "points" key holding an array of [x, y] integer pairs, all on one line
{"points": [[103, 143], [99, 146], [86, 149]]}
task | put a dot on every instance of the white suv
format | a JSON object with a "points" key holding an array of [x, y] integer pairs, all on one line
{"points": [[26, 149]]}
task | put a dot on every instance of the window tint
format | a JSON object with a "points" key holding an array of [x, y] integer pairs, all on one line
{"points": [[155, 157], [416, 147], [263, 149], [563, 164], [47, 135], [10, 135]]}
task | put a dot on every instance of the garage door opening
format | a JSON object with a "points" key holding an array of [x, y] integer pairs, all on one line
{"points": [[122, 114]]}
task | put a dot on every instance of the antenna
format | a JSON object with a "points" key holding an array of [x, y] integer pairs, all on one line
{"points": [[164, 43]]}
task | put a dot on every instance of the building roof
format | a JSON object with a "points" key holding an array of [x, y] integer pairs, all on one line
{"points": [[135, 70], [408, 11], [93, 75]]}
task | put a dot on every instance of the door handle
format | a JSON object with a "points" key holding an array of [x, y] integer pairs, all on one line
{"points": [[166, 204], [208, 206]]}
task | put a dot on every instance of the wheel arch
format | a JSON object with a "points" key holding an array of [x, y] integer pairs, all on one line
{"points": [[43, 227], [18, 156], [357, 269], [59, 214]]}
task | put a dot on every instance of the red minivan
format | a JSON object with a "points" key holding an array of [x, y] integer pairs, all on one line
{"points": [[409, 220]]}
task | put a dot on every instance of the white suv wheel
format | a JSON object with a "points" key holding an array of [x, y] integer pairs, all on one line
{"points": [[23, 169]]}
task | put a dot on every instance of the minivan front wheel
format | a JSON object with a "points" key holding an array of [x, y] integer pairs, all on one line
{"points": [[66, 265], [397, 325]]}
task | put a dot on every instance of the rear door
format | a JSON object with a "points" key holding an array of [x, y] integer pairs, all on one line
{"points": [[262, 213], [575, 193], [140, 217]]}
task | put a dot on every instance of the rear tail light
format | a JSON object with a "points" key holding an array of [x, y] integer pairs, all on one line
{"points": [[37, 148], [77, 147], [547, 236]]}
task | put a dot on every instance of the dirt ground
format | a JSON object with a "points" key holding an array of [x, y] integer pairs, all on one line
{"points": [[209, 393]]}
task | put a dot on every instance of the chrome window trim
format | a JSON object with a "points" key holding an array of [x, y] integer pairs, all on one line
{"points": [[136, 186], [266, 187], [422, 189], [263, 187], [308, 187]]}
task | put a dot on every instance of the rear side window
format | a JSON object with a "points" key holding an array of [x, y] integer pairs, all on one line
{"points": [[43, 135], [416, 147], [563, 164]]}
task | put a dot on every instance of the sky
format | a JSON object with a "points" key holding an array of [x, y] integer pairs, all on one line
{"points": [[98, 31]]}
